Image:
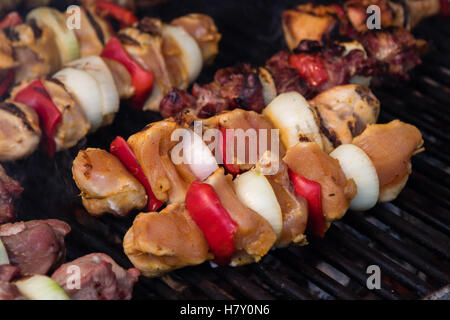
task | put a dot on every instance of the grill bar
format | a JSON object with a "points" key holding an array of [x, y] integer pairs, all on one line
{"points": [[243, 285], [207, 287], [408, 239], [396, 246], [322, 280], [408, 204], [348, 267], [279, 282], [410, 230], [394, 270]]}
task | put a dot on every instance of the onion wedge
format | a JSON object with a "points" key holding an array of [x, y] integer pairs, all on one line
{"points": [[255, 191], [40, 287], [268, 85], [3, 254], [357, 165], [356, 45], [292, 115], [85, 89], [99, 70], [353, 45], [65, 38], [196, 154], [190, 52]]}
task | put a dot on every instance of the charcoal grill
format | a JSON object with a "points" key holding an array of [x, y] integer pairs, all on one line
{"points": [[409, 239]]}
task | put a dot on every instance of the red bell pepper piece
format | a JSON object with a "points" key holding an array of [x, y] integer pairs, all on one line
{"points": [[6, 82], [231, 167], [10, 20], [311, 191], [36, 96], [120, 148], [310, 67], [142, 79], [211, 217], [125, 17]]}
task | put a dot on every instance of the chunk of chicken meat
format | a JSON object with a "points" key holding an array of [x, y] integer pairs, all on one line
{"points": [[122, 78], [245, 124], [390, 147], [106, 185], [19, 131], [202, 28], [311, 162], [344, 112], [74, 125], [145, 47], [6, 52], [293, 208], [308, 21], [90, 36], [35, 51], [159, 242], [254, 236], [152, 148]]}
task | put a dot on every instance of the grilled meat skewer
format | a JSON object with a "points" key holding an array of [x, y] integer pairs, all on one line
{"points": [[85, 94], [154, 251]]}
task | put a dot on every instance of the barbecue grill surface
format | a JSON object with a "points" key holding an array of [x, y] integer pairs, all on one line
{"points": [[409, 239]]}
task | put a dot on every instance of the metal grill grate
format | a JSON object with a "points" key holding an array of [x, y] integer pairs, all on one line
{"points": [[409, 239]]}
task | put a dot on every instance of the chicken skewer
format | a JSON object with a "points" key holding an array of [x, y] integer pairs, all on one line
{"points": [[154, 250], [43, 44], [141, 64]]}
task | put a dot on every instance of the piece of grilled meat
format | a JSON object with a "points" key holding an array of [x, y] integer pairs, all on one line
{"points": [[9, 190]]}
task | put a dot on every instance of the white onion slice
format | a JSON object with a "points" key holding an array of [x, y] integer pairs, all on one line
{"points": [[3, 254], [292, 115], [86, 90], [98, 69], [353, 45], [268, 85], [255, 191], [356, 45], [40, 287], [155, 98], [195, 153], [65, 38], [357, 165], [191, 54]]}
